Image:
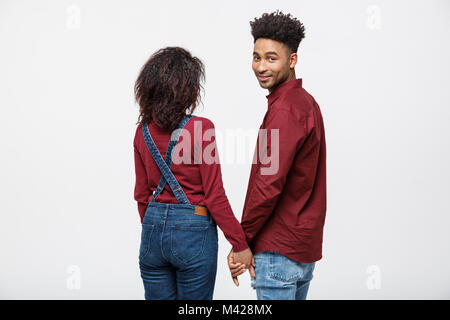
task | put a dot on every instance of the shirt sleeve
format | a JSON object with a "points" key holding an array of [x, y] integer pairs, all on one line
{"points": [[215, 197], [269, 173], [141, 190]]}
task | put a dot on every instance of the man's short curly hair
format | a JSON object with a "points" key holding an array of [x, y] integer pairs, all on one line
{"points": [[279, 27]]}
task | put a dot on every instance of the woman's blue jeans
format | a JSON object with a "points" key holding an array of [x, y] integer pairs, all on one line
{"points": [[178, 253], [281, 278]]}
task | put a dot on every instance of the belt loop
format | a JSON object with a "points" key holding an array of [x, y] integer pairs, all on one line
{"points": [[211, 220]]}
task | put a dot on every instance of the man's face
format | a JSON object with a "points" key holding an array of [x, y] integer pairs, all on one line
{"points": [[272, 62]]}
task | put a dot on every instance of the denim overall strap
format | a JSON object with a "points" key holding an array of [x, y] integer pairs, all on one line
{"points": [[165, 169], [169, 153]]}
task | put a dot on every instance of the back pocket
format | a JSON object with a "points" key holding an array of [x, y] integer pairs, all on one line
{"points": [[284, 269], [146, 239], [188, 241]]}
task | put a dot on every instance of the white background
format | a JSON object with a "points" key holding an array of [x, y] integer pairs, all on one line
{"points": [[69, 226]]}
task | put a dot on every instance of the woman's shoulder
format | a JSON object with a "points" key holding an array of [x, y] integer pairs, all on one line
{"points": [[205, 122], [139, 132]]}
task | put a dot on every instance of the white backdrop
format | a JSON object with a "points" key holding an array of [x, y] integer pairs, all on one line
{"points": [[69, 226]]}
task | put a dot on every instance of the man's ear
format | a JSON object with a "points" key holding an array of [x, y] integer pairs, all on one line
{"points": [[293, 60]]}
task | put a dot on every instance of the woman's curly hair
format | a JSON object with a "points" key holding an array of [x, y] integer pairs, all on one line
{"points": [[279, 27], [168, 87]]}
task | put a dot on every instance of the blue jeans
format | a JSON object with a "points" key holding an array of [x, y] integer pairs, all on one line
{"points": [[281, 278], [178, 253]]}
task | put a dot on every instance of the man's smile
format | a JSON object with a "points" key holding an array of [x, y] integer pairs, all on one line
{"points": [[263, 78]]}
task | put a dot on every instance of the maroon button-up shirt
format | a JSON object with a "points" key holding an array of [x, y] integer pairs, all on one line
{"points": [[284, 211]]}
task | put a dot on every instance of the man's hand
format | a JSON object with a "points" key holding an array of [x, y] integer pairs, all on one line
{"points": [[245, 256], [237, 268]]}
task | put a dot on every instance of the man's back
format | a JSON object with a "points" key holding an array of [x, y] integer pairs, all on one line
{"points": [[284, 211]]}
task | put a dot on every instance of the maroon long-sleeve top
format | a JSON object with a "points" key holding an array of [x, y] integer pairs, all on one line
{"points": [[284, 209], [201, 180]]}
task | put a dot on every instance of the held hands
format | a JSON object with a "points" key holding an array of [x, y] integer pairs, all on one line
{"points": [[238, 262]]}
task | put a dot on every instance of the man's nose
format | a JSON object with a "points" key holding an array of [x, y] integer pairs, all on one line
{"points": [[261, 67]]}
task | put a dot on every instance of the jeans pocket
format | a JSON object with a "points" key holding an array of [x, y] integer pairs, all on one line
{"points": [[188, 241], [146, 238], [284, 269]]}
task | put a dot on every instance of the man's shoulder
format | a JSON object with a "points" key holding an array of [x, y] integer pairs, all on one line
{"points": [[297, 101]]}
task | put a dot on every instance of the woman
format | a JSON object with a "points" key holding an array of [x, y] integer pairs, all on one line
{"points": [[179, 201]]}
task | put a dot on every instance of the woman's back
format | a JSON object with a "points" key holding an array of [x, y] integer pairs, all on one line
{"points": [[187, 174], [195, 165]]}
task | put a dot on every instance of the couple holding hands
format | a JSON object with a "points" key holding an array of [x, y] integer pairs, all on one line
{"points": [[179, 189]]}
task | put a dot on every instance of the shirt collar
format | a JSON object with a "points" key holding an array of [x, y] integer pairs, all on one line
{"points": [[294, 83]]}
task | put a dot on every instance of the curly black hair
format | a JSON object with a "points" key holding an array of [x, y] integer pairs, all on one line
{"points": [[168, 87], [280, 27]]}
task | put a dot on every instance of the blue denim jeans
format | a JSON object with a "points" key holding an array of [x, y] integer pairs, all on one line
{"points": [[281, 278], [178, 253]]}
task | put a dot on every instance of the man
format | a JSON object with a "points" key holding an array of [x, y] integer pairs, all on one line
{"points": [[284, 211]]}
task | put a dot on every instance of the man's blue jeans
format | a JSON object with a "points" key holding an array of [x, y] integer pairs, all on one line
{"points": [[280, 278]]}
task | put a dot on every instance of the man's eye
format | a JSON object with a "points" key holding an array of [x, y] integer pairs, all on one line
{"points": [[272, 59], [255, 58]]}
